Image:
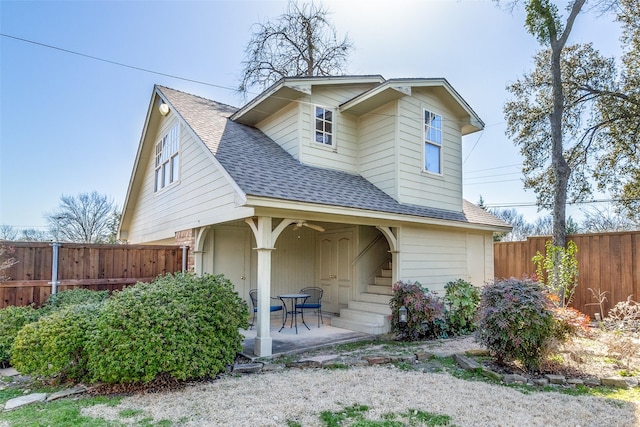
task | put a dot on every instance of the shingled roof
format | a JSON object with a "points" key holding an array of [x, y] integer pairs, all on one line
{"points": [[260, 167]]}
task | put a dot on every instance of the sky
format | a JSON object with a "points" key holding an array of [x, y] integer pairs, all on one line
{"points": [[71, 123]]}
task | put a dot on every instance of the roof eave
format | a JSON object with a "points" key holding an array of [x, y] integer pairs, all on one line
{"points": [[365, 216], [289, 89]]}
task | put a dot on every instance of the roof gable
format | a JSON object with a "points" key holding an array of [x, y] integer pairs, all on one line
{"points": [[260, 167], [397, 88]]}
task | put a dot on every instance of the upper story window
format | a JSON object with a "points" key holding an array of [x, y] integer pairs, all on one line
{"points": [[432, 142], [324, 126], [167, 159]]}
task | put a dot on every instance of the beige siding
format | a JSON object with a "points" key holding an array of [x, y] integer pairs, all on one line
{"points": [[344, 155], [432, 256], [202, 195], [479, 258], [416, 186], [283, 127], [293, 261], [378, 157]]}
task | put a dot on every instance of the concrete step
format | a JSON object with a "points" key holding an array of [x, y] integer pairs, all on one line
{"points": [[372, 307], [386, 281], [386, 273], [353, 325], [375, 297], [363, 316], [380, 289]]}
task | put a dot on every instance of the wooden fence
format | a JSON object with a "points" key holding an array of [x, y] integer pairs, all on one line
{"points": [[607, 262], [96, 267]]}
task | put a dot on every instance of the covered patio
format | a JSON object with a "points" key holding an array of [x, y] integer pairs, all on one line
{"points": [[286, 341]]}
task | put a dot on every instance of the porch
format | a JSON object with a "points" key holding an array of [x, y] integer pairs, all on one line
{"points": [[288, 342]]}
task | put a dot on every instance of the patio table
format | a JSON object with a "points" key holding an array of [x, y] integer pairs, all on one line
{"points": [[293, 299]]}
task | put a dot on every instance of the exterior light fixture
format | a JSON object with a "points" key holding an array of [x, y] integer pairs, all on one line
{"points": [[164, 109], [402, 314]]}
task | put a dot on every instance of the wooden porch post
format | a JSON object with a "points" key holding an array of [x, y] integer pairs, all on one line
{"points": [[263, 343]]}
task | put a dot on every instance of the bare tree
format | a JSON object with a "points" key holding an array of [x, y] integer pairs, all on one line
{"points": [[7, 232], [83, 219], [606, 219], [302, 42], [521, 228], [33, 235]]}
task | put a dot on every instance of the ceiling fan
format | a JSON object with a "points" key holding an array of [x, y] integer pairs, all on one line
{"points": [[301, 223]]}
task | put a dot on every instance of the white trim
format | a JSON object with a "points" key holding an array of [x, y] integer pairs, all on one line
{"points": [[439, 145], [332, 134], [274, 207]]}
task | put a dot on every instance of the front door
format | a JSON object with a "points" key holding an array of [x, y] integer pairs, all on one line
{"points": [[335, 269]]}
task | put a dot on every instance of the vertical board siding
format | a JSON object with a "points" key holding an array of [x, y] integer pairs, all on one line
{"points": [[96, 267], [607, 262]]}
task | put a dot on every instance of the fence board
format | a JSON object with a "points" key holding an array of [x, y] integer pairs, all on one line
{"points": [[607, 262], [97, 267]]}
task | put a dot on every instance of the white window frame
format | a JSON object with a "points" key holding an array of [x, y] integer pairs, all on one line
{"points": [[167, 159], [432, 137], [323, 132]]}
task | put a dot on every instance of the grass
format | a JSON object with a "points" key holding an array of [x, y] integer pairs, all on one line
{"points": [[67, 412], [64, 412], [355, 416]]}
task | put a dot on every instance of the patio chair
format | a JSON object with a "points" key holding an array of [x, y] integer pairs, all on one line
{"points": [[314, 302], [253, 294]]}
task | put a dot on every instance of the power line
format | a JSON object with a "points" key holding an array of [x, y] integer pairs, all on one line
{"points": [[494, 168], [531, 204], [120, 64]]}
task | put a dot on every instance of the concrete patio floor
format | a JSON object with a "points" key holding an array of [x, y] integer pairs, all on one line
{"points": [[288, 342]]}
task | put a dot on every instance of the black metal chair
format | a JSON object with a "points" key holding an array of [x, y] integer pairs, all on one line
{"points": [[253, 294], [314, 302]]}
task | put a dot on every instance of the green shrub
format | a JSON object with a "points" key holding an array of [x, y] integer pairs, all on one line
{"points": [[462, 299], [425, 312], [73, 297], [12, 319], [182, 326], [55, 344], [515, 321]]}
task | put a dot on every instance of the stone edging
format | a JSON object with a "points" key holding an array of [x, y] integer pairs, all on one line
{"points": [[421, 361]]}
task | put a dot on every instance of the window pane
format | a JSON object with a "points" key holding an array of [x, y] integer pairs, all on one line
{"points": [[432, 158], [320, 137], [328, 128], [165, 175], [174, 168], [319, 125]]}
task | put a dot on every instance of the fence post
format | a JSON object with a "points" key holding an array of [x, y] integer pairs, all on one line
{"points": [[184, 258], [54, 268]]}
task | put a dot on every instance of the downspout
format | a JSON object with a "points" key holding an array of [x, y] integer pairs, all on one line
{"points": [[184, 258]]}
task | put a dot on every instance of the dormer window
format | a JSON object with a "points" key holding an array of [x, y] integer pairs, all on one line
{"points": [[324, 126], [432, 142], [167, 159]]}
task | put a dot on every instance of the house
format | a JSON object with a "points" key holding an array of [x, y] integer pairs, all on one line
{"points": [[348, 183]]}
